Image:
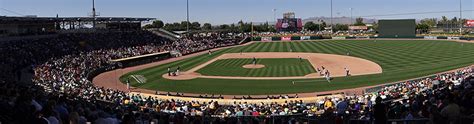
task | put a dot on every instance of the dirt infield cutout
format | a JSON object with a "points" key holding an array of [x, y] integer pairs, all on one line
{"points": [[335, 64], [253, 66]]}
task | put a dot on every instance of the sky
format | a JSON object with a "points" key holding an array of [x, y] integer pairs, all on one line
{"points": [[231, 11]]}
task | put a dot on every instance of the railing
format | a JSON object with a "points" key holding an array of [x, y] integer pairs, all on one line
{"points": [[179, 117]]}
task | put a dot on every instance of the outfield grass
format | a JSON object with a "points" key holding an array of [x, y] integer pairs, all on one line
{"points": [[399, 60], [274, 67]]}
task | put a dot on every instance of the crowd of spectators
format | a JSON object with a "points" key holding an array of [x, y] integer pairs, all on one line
{"points": [[61, 64], [62, 94], [323, 34]]}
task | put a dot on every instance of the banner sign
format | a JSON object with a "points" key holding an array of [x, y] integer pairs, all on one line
{"points": [[470, 23], [430, 37], [358, 27], [266, 38], [305, 37], [286, 38], [339, 38], [362, 37], [453, 38]]}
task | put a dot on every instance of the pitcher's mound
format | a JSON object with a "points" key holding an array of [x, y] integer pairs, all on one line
{"points": [[253, 66]]}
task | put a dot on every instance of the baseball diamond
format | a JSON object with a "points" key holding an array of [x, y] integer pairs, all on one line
{"points": [[399, 60], [323, 63], [272, 67]]}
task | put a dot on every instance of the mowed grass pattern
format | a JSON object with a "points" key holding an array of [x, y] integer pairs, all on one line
{"points": [[278, 67], [399, 59]]}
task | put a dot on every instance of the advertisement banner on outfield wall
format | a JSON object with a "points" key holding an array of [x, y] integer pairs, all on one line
{"points": [[339, 38], [362, 37], [266, 38], [305, 37], [453, 38], [286, 38], [430, 37]]}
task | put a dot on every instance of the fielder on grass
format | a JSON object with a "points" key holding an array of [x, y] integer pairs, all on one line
{"points": [[328, 76], [254, 61]]}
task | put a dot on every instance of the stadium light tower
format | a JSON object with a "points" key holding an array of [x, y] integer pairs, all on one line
{"points": [[331, 19], [352, 22], [274, 14], [93, 13], [187, 16], [460, 17]]}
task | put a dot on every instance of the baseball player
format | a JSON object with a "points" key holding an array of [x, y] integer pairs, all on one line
{"points": [[128, 83], [347, 72], [254, 61], [169, 71], [328, 76], [320, 72], [177, 71]]}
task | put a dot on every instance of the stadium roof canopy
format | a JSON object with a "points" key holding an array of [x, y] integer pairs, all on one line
{"points": [[110, 19]]}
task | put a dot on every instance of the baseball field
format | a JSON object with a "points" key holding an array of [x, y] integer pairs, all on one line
{"points": [[398, 60], [273, 68]]}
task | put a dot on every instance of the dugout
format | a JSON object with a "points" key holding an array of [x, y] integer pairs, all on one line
{"points": [[138, 60], [128, 62], [398, 28]]}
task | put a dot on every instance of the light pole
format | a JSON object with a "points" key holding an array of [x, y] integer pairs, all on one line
{"points": [[274, 14], [331, 19], [352, 21], [320, 23], [93, 14], [187, 16], [460, 17]]}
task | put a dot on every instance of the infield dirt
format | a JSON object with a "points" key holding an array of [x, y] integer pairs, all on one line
{"points": [[335, 64]]}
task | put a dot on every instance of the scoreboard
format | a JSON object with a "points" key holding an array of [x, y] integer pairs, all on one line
{"points": [[289, 25], [399, 28]]}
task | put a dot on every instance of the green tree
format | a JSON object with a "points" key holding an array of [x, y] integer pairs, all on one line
{"points": [[454, 20], [155, 24], [175, 26], [184, 25], [224, 27], [429, 21], [158, 24], [195, 26], [272, 29], [261, 27], [374, 26], [444, 20], [422, 28], [206, 26], [311, 26], [359, 22], [341, 27], [323, 25], [245, 27]]}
